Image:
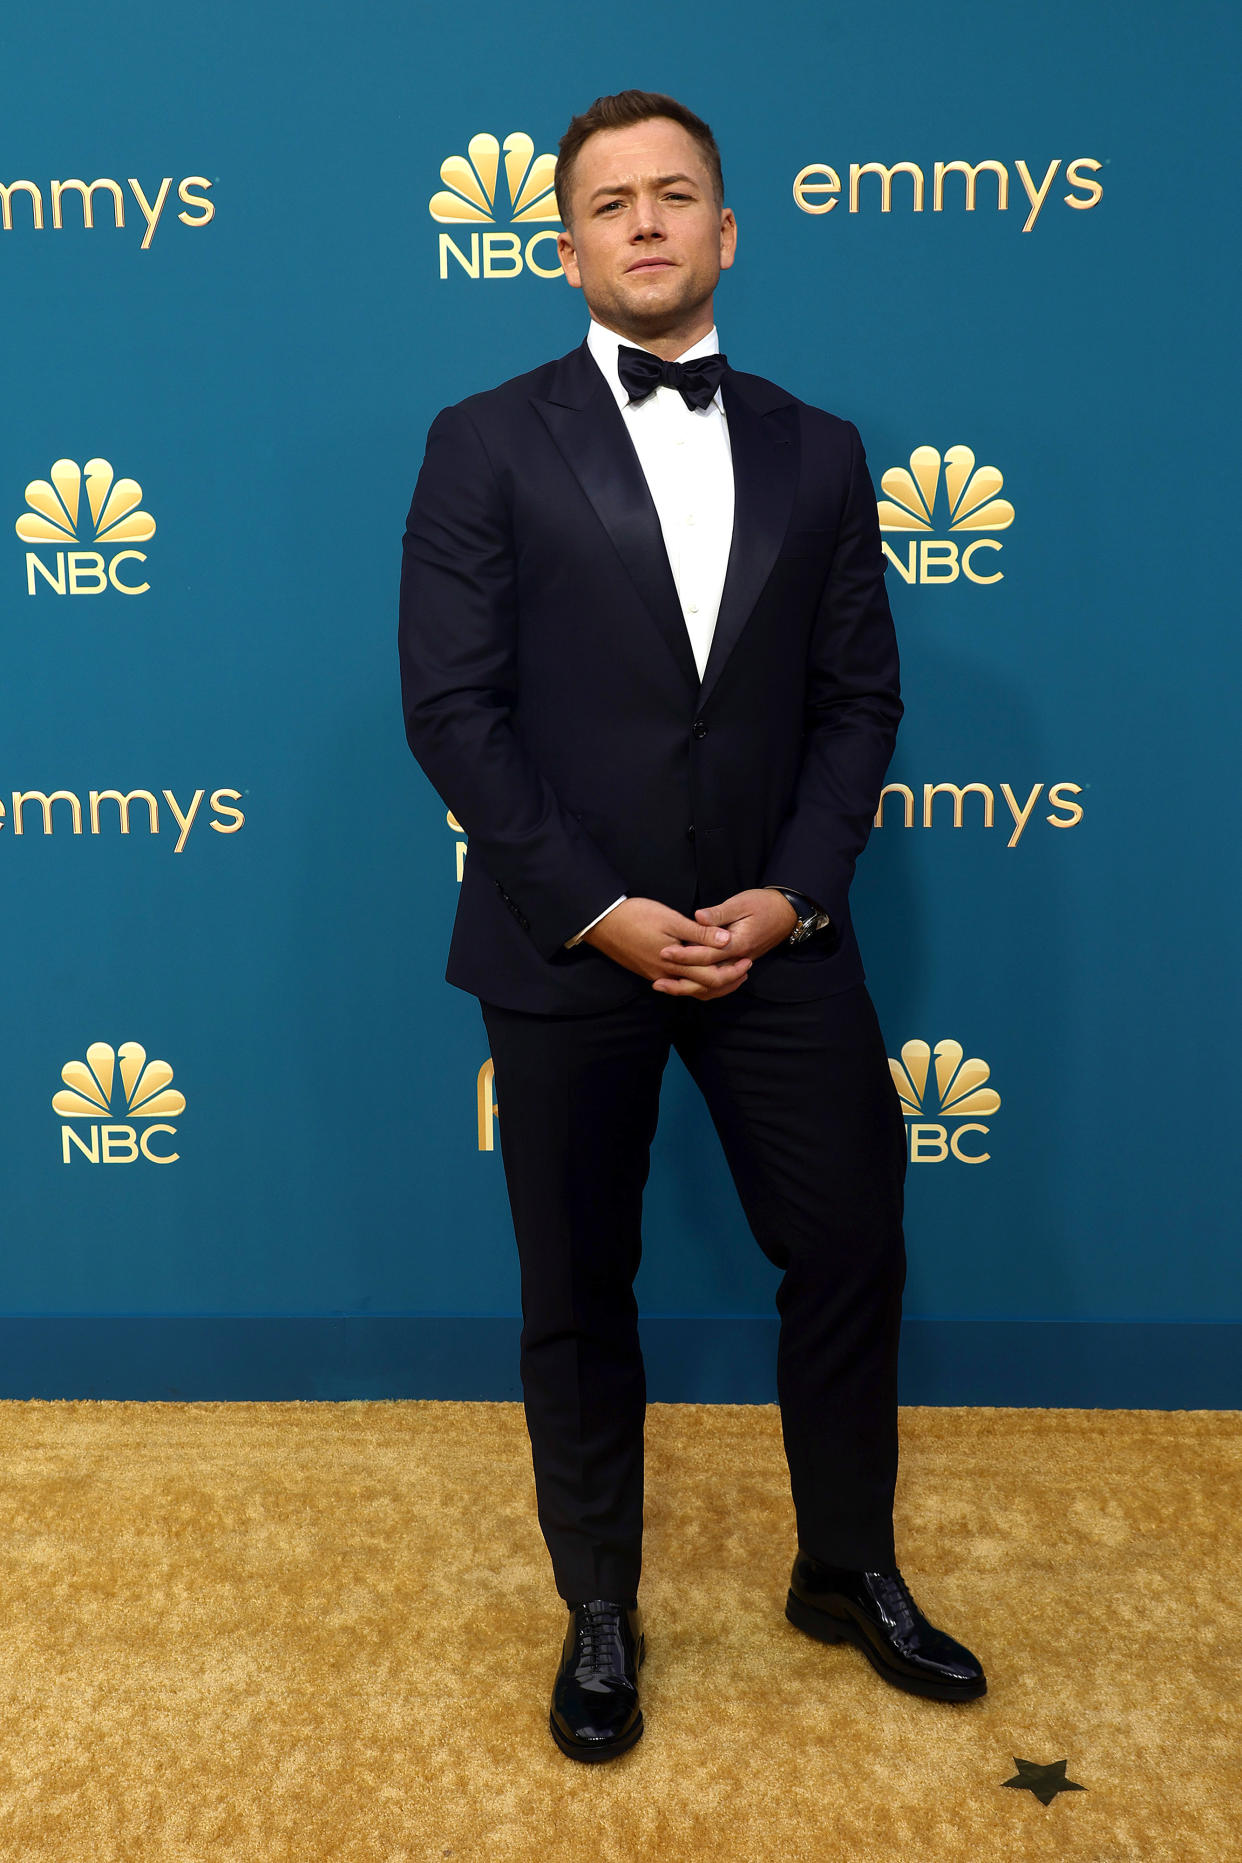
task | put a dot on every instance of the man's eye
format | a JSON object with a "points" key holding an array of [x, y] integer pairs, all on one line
{"points": [[609, 205]]}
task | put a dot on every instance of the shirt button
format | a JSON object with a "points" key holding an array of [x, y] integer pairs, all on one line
{"points": [[698, 728], [690, 517], [692, 608]]}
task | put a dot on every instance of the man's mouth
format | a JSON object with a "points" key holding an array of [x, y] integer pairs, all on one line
{"points": [[650, 265]]}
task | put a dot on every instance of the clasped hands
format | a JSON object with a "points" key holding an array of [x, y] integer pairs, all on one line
{"points": [[707, 956]]}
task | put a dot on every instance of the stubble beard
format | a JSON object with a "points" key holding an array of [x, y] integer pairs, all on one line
{"points": [[633, 316]]}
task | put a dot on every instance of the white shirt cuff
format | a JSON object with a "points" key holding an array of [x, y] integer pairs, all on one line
{"points": [[579, 936]]}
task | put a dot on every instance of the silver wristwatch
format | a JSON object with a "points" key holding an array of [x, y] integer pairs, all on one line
{"points": [[810, 917]]}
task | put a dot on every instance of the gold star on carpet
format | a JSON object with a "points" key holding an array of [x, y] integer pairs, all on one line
{"points": [[1044, 1781]]}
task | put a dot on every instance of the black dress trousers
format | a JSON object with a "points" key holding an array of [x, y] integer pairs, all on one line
{"points": [[803, 1101]]}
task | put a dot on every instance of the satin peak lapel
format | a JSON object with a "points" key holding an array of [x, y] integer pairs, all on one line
{"points": [[766, 458], [587, 426]]}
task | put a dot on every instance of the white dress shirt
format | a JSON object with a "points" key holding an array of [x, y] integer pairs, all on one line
{"points": [[685, 457], [686, 461]]}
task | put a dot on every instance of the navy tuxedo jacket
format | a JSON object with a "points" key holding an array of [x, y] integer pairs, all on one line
{"points": [[552, 698]]}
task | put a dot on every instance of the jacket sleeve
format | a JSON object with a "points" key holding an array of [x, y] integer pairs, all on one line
{"points": [[458, 647], [853, 708]]}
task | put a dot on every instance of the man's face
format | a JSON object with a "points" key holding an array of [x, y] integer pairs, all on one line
{"points": [[647, 241]]}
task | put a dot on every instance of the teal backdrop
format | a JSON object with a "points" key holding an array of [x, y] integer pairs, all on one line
{"points": [[246, 369]]}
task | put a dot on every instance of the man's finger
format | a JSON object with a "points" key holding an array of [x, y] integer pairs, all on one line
{"points": [[710, 975], [736, 906], [717, 915], [697, 954], [702, 982], [681, 987], [691, 933]]}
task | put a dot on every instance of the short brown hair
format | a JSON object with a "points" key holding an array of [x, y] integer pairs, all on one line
{"points": [[622, 111]]}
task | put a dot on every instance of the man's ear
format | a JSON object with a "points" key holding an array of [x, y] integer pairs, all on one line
{"points": [[566, 252], [728, 238]]}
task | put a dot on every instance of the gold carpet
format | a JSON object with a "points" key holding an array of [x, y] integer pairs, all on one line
{"points": [[326, 1633]]}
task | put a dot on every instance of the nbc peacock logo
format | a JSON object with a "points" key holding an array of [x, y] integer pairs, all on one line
{"points": [[110, 514], [460, 844], [958, 1099], [971, 502], [485, 1105], [127, 1102], [470, 199]]}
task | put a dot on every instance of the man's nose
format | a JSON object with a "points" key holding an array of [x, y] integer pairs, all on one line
{"points": [[648, 222]]}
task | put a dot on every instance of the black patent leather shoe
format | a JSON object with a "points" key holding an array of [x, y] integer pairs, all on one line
{"points": [[874, 1611], [595, 1712]]}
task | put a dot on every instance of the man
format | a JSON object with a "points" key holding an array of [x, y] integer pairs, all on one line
{"points": [[648, 661]]}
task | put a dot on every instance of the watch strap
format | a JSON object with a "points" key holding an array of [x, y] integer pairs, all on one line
{"points": [[811, 917]]}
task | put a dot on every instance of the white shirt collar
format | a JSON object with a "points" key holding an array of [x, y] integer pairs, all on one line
{"points": [[604, 344]]}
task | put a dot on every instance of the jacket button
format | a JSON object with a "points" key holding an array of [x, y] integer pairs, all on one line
{"points": [[698, 729], [690, 832]]}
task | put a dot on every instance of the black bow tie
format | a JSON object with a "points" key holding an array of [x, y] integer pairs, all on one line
{"points": [[642, 373]]}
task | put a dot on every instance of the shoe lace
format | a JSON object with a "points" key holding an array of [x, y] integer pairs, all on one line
{"points": [[598, 1634], [893, 1595]]}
